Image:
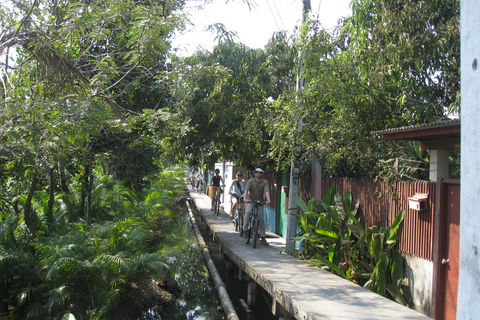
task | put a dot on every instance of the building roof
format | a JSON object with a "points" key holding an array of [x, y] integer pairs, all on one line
{"points": [[444, 135]]}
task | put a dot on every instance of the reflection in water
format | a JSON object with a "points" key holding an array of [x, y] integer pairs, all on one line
{"points": [[199, 299]]}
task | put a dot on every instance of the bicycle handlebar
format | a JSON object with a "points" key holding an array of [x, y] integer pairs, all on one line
{"points": [[255, 202]]}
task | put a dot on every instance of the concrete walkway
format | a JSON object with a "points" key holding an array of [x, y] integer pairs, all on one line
{"points": [[305, 291]]}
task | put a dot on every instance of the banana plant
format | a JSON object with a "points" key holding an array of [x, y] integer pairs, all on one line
{"points": [[324, 227], [316, 223], [387, 273], [333, 238]]}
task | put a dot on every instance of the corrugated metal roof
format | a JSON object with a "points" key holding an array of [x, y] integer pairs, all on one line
{"points": [[439, 124]]}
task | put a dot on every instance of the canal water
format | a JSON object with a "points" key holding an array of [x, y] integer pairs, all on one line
{"points": [[199, 300]]}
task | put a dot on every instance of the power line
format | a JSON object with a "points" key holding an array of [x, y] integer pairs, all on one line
{"points": [[274, 16], [319, 5]]}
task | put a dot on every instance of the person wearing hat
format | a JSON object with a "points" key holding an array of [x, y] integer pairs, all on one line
{"points": [[238, 187], [257, 189]]}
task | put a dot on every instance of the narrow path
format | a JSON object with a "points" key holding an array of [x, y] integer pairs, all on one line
{"points": [[305, 291]]}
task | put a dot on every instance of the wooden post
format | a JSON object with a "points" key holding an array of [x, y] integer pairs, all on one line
{"points": [[279, 311], [252, 293]]}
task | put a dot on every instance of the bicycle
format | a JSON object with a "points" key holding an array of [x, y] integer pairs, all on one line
{"points": [[254, 224], [238, 218], [216, 201]]}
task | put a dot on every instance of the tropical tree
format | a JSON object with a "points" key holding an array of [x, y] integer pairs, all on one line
{"points": [[417, 46], [81, 94], [79, 68], [224, 96], [373, 72]]}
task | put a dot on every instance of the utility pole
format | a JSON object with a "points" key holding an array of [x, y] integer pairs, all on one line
{"points": [[468, 280], [295, 165]]}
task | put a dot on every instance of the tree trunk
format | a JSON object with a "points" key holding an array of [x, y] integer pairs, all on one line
{"points": [[85, 201], [83, 195], [89, 194], [51, 198], [28, 206], [62, 181], [14, 224]]}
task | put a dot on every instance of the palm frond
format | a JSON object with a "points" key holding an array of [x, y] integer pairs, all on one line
{"points": [[58, 67], [117, 262]]}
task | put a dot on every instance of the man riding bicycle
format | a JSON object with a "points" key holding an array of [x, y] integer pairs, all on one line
{"points": [[256, 190], [238, 186], [215, 185]]}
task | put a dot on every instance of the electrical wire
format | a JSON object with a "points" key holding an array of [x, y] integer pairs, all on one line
{"points": [[274, 16]]}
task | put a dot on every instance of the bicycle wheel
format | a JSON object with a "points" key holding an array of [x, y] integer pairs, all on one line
{"points": [[240, 221], [216, 207], [235, 221], [254, 232], [248, 233]]}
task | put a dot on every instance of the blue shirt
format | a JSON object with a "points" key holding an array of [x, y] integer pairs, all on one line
{"points": [[236, 189]]}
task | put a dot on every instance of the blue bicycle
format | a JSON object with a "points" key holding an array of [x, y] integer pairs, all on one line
{"points": [[254, 224]]}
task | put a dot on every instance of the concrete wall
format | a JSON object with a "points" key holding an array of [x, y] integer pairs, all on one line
{"points": [[419, 273], [226, 172], [468, 306]]}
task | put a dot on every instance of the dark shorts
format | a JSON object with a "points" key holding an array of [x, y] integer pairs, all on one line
{"points": [[238, 197]]}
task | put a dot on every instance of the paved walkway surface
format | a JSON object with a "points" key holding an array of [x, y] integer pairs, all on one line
{"points": [[305, 291]]}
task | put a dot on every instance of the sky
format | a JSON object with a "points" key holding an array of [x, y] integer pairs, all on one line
{"points": [[254, 28]]}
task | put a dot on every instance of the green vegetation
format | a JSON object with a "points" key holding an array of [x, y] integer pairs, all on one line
{"points": [[332, 237], [88, 268], [94, 108], [373, 72]]}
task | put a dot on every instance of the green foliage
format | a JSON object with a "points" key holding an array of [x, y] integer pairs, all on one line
{"points": [[131, 151], [84, 193], [223, 96], [81, 268], [374, 71], [333, 238], [92, 114], [415, 46]]}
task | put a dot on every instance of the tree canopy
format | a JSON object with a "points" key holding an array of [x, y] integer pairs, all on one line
{"points": [[94, 108], [373, 72]]}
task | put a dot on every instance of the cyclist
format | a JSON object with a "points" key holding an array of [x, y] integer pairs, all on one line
{"points": [[199, 178], [256, 189], [215, 185], [192, 177], [238, 186]]}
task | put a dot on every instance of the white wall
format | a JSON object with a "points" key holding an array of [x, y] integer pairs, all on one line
{"points": [[226, 172], [419, 273]]}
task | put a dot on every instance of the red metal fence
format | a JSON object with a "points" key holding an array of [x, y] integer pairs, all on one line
{"points": [[380, 202]]}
